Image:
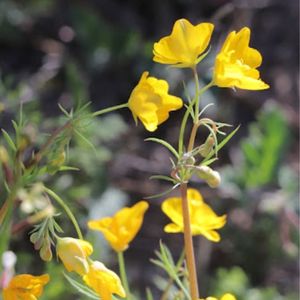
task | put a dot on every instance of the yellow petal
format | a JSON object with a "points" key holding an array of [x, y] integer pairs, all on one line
{"points": [[121, 229], [236, 63], [228, 297], [25, 287], [151, 103], [103, 281], [73, 253], [184, 45], [203, 219]]}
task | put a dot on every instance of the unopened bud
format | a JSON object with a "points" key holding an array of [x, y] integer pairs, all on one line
{"points": [[212, 177], [45, 252], [3, 155], [207, 147]]}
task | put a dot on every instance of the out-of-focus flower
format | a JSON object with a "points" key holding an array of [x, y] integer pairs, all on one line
{"points": [[121, 229], [203, 219], [185, 44], [224, 297], [9, 260], [74, 253], [236, 63], [25, 287], [151, 103], [33, 199], [103, 281]]}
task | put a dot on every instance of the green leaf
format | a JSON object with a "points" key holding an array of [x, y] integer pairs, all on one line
{"points": [[162, 177], [221, 145], [68, 168], [164, 143], [9, 140], [163, 193], [84, 290]]}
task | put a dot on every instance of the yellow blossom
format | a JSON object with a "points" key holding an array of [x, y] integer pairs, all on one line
{"points": [[103, 281], [224, 297], [74, 253], [151, 103], [25, 287], [236, 63], [185, 44], [203, 219], [121, 229]]}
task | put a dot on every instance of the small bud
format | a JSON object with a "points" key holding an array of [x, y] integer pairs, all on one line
{"points": [[212, 177], [45, 251], [207, 147], [56, 163], [3, 155]]}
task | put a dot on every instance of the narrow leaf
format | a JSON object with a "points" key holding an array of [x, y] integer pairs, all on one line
{"points": [[222, 144], [164, 143], [9, 140], [162, 177], [81, 288], [163, 193]]}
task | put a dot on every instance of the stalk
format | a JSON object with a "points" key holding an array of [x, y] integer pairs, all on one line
{"points": [[123, 274], [67, 210], [188, 244], [109, 109]]}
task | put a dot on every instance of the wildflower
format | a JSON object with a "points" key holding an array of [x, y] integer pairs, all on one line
{"points": [[25, 287], [151, 103], [103, 281], [224, 297], [203, 219], [236, 63], [74, 253], [185, 44], [121, 229]]}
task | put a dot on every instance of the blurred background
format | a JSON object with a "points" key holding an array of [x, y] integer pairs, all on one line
{"points": [[71, 52]]}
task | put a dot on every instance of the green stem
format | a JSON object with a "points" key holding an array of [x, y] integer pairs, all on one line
{"points": [[123, 274], [109, 109], [197, 98], [181, 133], [67, 210]]}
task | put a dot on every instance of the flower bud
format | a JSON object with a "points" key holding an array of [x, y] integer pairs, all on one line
{"points": [[207, 147], [45, 251], [211, 177], [3, 155], [74, 253]]}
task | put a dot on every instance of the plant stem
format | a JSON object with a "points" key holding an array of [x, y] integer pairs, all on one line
{"points": [[123, 274], [188, 244], [109, 109], [67, 210]]}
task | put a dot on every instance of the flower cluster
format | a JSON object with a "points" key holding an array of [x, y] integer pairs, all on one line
{"points": [[150, 102]]}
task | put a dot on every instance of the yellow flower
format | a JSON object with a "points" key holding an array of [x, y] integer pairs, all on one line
{"points": [[121, 229], [151, 103], [224, 297], [236, 63], [73, 253], [203, 219], [103, 281], [25, 287], [185, 44]]}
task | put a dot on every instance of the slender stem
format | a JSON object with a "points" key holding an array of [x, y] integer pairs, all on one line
{"points": [[123, 274], [188, 244], [67, 210], [193, 136], [181, 133], [109, 109]]}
